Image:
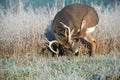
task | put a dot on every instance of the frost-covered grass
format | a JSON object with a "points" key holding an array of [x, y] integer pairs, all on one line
{"points": [[61, 68]]}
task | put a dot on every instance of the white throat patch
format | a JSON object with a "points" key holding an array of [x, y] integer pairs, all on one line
{"points": [[90, 30]]}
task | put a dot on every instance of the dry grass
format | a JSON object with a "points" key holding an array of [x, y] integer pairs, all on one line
{"points": [[22, 31], [107, 33]]}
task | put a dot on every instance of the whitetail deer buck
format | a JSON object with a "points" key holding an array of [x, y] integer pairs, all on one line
{"points": [[73, 22]]}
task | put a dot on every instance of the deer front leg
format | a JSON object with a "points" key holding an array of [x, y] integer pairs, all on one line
{"points": [[81, 32], [92, 41]]}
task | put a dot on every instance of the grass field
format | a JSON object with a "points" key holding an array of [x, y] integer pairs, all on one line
{"points": [[24, 56], [61, 68]]}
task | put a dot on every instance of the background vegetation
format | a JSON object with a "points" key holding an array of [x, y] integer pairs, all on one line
{"points": [[23, 46]]}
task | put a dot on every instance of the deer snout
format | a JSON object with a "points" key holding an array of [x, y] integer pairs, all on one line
{"points": [[74, 48]]}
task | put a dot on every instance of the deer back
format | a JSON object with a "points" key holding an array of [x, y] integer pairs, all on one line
{"points": [[72, 16]]}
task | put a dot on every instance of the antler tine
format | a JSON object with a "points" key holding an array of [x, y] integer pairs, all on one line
{"points": [[66, 27], [69, 31], [50, 44]]}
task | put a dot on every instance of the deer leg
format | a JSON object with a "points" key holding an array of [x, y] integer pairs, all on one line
{"points": [[92, 41], [80, 33]]}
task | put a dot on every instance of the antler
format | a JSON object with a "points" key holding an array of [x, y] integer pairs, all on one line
{"points": [[69, 31], [50, 44], [55, 41]]}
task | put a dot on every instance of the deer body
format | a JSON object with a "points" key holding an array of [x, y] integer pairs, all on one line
{"points": [[74, 22]]}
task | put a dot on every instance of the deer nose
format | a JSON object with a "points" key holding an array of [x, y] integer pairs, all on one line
{"points": [[76, 52]]}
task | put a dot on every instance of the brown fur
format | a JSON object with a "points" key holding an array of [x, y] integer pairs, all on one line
{"points": [[73, 16]]}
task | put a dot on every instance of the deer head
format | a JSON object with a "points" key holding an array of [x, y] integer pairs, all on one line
{"points": [[69, 44]]}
